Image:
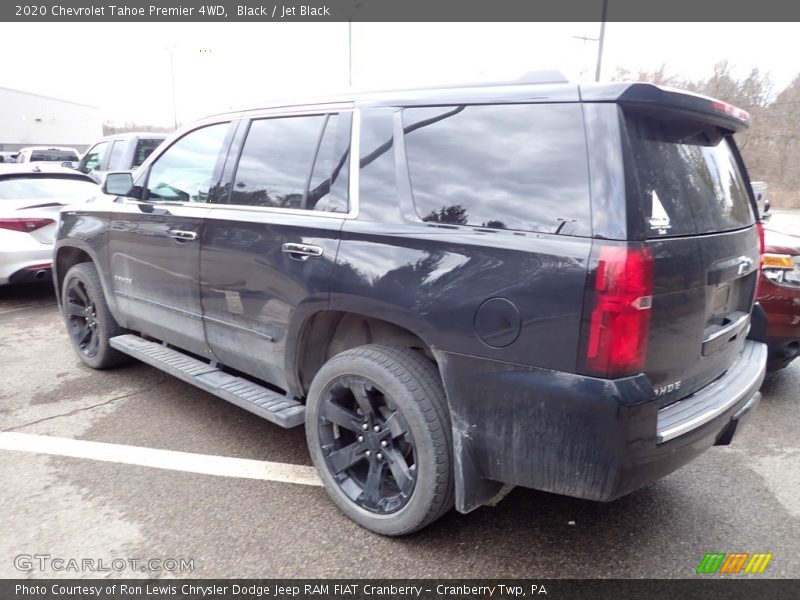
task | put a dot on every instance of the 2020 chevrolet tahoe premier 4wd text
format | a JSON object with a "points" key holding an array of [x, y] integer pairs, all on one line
{"points": [[545, 285]]}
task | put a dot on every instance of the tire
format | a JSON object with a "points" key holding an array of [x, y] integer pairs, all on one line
{"points": [[89, 322], [379, 434]]}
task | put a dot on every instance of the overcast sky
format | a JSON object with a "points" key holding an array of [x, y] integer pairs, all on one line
{"points": [[124, 68]]}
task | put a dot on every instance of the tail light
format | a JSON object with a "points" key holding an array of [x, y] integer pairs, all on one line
{"points": [[618, 308], [729, 109], [761, 248], [24, 225]]}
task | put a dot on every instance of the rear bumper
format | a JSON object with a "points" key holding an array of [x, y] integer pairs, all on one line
{"points": [[33, 274], [17, 253], [579, 436]]}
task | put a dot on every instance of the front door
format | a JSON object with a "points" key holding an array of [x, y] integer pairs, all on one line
{"points": [[154, 242]]}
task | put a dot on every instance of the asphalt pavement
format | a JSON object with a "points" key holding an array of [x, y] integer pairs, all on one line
{"points": [[741, 498]]}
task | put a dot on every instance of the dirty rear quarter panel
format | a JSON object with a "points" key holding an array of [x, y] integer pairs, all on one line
{"points": [[432, 279]]}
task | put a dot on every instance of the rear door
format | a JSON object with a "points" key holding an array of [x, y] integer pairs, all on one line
{"points": [[689, 201], [268, 250], [154, 242]]}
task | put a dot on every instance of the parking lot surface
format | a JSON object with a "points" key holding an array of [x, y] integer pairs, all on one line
{"points": [[258, 517]]}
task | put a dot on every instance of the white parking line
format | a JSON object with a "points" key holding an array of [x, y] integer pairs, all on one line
{"points": [[206, 464], [11, 310]]}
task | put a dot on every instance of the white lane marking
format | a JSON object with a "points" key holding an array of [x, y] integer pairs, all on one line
{"points": [[206, 464], [12, 310]]}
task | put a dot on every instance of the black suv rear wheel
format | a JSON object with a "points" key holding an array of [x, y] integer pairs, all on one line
{"points": [[89, 321], [379, 435]]}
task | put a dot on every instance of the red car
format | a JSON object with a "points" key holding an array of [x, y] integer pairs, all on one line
{"points": [[779, 294]]}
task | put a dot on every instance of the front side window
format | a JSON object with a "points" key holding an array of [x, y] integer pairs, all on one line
{"points": [[505, 166], [94, 158], [185, 172]]}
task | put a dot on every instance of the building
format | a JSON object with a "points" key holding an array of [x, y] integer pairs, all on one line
{"points": [[34, 120]]}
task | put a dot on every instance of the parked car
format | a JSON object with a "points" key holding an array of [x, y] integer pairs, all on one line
{"points": [[779, 294], [30, 197], [540, 284], [120, 152], [54, 155], [8, 157]]}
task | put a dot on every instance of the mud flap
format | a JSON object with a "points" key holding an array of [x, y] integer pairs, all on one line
{"points": [[472, 490]]}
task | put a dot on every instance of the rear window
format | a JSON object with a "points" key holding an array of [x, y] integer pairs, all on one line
{"points": [[144, 148], [53, 156], [504, 166], [40, 187], [689, 179]]}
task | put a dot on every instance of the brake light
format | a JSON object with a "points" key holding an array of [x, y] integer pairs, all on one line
{"points": [[24, 225], [729, 109], [761, 248], [620, 306]]}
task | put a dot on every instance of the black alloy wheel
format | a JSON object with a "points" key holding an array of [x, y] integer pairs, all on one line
{"points": [[367, 445], [89, 321], [379, 434], [81, 315]]}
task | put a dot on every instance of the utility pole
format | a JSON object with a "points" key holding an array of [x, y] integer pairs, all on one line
{"points": [[601, 40], [171, 50], [350, 52]]}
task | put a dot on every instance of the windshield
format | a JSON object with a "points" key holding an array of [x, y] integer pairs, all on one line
{"points": [[46, 188], [53, 156], [689, 178]]}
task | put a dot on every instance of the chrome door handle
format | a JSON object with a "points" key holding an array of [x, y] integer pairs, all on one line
{"points": [[302, 251], [182, 235]]}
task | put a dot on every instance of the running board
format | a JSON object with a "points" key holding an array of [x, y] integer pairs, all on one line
{"points": [[259, 400]]}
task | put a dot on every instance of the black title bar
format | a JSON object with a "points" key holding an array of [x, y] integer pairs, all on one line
{"points": [[401, 10]]}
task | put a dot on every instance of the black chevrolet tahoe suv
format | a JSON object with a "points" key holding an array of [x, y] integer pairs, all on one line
{"points": [[538, 284]]}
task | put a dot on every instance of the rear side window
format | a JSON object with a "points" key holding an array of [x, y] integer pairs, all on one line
{"points": [[511, 166], [689, 180], [277, 165], [144, 148]]}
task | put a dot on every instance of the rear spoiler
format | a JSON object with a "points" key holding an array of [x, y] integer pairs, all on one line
{"points": [[663, 101]]}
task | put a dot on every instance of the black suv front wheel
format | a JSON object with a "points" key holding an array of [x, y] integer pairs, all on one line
{"points": [[379, 435], [89, 321]]}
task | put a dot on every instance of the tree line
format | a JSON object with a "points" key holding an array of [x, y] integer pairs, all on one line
{"points": [[769, 146]]}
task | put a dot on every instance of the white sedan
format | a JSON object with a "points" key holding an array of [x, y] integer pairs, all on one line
{"points": [[31, 196]]}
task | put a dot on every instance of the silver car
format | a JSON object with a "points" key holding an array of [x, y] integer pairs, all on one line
{"points": [[31, 196]]}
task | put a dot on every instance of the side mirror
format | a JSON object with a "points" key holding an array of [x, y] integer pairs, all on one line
{"points": [[118, 183], [67, 164]]}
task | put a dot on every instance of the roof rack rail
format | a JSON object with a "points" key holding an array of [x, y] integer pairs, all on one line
{"points": [[531, 77]]}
